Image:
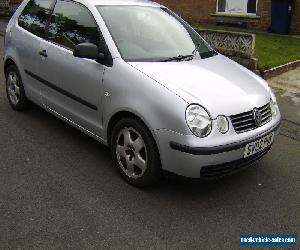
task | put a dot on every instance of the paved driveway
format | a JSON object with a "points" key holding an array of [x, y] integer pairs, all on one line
{"points": [[59, 190], [289, 81]]}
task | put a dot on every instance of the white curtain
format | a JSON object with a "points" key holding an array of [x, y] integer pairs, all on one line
{"points": [[236, 6]]}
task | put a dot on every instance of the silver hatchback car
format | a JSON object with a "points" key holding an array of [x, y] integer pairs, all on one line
{"points": [[136, 77]]}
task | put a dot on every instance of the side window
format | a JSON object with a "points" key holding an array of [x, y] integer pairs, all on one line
{"points": [[35, 15], [71, 24]]}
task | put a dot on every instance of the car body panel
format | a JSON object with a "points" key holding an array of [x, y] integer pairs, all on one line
{"points": [[122, 2], [208, 83], [129, 91], [80, 79], [189, 165]]}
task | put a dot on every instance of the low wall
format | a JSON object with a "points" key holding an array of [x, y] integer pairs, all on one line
{"points": [[7, 7], [4, 8], [236, 45]]}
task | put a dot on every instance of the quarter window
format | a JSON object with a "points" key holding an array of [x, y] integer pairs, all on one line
{"points": [[35, 15], [71, 24], [237, 6]]}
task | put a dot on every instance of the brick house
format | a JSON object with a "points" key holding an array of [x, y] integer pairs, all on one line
{"points": [[295, 24], [252, 14]]}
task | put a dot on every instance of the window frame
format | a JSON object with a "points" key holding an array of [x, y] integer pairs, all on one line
{"points": [[235, 13], [102, 42], [101, 38]]}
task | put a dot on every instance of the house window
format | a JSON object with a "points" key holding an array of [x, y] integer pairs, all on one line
{"points": [[237, 6]]}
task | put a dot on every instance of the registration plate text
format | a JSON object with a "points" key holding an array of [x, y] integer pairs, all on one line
{"points": [[259, 145]]}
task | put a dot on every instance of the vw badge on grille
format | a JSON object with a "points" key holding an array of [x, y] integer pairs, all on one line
{"points": [[257, 117]]}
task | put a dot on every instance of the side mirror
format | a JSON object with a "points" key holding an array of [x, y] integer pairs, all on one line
{"points": [[88, 50]]}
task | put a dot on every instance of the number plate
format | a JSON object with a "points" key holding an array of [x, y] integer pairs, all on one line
{"points": [[259, 145]]}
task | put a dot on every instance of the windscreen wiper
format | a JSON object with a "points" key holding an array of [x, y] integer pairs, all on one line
{"points": [[208, 54], [179, 58], [205, 54]]}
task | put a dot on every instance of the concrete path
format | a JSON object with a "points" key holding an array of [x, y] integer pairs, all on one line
{"points": [[287, 89], [289, 81]]}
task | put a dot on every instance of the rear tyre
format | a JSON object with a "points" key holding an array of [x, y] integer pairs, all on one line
{"points": [[15, 89], [135, 153]]}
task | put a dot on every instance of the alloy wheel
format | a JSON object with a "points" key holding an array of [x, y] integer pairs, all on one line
{"points": [[13, 88], [131, 153]]}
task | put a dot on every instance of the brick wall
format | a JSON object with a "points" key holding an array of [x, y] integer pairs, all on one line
{"points": [[192, 10], [203, 11], [295, 22], [263, 23]]}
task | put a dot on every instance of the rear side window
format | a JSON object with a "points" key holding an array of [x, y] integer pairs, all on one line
{"points": [[35, 15], [71, 24]]}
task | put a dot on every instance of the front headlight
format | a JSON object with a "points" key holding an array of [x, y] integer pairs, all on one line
{"points": [[198, 120]]}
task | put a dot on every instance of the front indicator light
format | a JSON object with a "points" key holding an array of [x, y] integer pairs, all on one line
{"points": [[274, 108], [223, 124]]}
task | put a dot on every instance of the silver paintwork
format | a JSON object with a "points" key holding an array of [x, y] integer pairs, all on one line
{"points": [[157, 92]]}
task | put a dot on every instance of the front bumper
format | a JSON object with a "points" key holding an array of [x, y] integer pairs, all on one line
{"points": [[216, 171], [219, 149], [208, 161]]}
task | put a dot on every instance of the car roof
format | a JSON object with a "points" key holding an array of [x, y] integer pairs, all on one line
{"points": [[124, 2]]}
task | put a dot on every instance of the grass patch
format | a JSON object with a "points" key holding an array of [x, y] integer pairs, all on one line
{"points": [[275, 50], [271, 50]]}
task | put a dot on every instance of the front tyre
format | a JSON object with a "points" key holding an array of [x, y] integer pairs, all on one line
{"points": [[15, 89], [135, 153]]}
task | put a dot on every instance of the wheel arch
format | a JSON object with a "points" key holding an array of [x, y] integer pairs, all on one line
{"points": [[125, 114], [8, 62]]}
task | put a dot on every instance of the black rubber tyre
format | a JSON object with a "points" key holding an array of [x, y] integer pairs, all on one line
{"points": [[152, 173], [21, 103]]}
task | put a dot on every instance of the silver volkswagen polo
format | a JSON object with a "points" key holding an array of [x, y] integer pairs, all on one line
{"points": [[138, 78]]}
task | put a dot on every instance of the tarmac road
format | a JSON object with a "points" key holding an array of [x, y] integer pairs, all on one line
{"points": [[59, 190]]}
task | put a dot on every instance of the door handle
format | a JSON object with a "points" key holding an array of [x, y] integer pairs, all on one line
{"points": [[43, 53]]}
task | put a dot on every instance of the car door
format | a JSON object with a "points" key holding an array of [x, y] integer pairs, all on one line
{"points": [[29, 32], [72, 86]]}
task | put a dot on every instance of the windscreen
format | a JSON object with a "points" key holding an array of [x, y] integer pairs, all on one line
{"points": [[144, 33]]}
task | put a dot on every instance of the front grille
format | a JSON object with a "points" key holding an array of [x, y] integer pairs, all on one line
{"points": [[217, 171], [245, 122]]}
